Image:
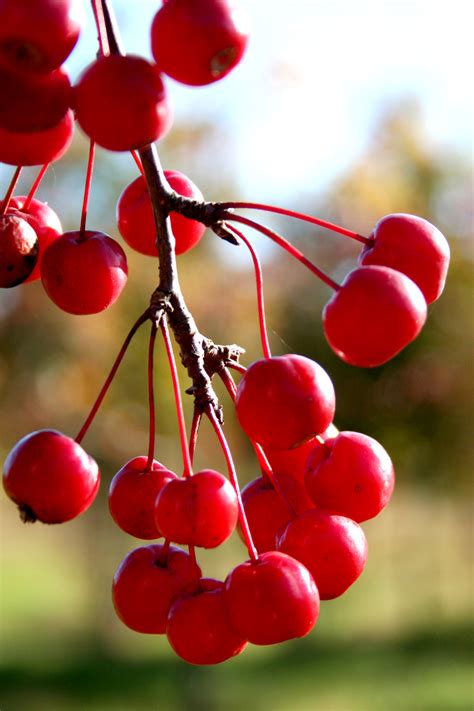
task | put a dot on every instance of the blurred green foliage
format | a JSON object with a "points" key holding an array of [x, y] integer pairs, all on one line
{"points": [[400, 638]]}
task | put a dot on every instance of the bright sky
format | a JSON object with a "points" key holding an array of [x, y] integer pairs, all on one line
{"points": [[315, 77]]}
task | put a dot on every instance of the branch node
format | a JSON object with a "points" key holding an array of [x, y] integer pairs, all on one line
{"points": [[221, 230], [159, 305]]}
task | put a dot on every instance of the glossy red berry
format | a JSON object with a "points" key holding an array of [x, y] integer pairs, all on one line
{"points": [[146, 583], [18, 250], [37, 147], [198, 626], [267, 511], [33, 102], [136, 222], [292, 462], [333, 548], [43, 220], [375, 313], [50, 477], [351, 475], [272, 599], [200, 510], [121, 103], [413, 246], [283, 401], [132, 496], [38, 35], [84, 273], [198, 43]]}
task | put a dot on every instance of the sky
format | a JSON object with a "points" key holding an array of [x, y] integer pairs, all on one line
{"points": [[316, 75]]}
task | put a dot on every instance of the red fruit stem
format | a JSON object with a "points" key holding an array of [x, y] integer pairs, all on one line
{"points": [[235, 483], [282, 242], [238, 367], [229, 383], [11, 190], [87, 189], [188, 468], [259, 285], [194, 432], [164, 552], [137, 160], [267, 472], [192, 555], [141, 320], [151, 398], [296, 215], [34, 187], [99, 17]]}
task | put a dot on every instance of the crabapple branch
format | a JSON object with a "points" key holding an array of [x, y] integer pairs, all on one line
{"points": [[168, 297]]}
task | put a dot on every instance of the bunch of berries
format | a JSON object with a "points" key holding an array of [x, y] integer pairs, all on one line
{"points": [[300, 520]]}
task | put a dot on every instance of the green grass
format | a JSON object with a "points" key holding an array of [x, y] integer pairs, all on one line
{"points": [[424, 672], [399, 640]]}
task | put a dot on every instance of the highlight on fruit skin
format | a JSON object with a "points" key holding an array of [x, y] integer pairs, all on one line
{"points": [[50, 477]]}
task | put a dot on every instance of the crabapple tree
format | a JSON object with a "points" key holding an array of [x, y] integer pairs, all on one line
{"points": [[300, 519]]}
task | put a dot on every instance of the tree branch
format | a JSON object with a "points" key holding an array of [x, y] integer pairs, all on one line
{"points": [[199, 355]]}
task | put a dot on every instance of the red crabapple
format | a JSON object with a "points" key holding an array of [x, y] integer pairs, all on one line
{"points": [[267, 512], [50, 477], [200, 510], [146, 583], [374, 314], [351, 475], [18, 250], [37, 147], [198, 43], [43, 220], [136, 222], [413, 246], [198, 626], [84, 273], [292, 462], [271, 599], [132, 496], [333, 548], [285, 400], [38, 35], [33, 102], [121, 103]]}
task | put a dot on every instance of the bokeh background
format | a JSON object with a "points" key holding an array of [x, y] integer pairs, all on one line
{"points": [[349, 112]]}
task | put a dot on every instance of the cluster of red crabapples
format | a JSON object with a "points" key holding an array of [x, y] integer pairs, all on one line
{"points": [[121, 104], [300, 520]]}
